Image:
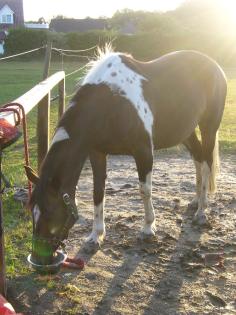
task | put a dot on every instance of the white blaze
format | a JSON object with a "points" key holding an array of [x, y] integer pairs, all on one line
{"points": [[36, 214]]}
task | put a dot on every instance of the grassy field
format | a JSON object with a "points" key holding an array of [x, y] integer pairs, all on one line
{"points": [[15, 79]]}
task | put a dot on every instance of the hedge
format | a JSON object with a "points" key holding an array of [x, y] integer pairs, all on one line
{"points": [[144, 46]]}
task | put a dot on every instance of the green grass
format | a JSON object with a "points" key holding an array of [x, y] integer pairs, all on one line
{"points": [[17, 224], [227, 133], [15, 79], [18, 77]]}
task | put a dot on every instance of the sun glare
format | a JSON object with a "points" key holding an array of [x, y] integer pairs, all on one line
{"points": [[71, 8], [229, 9]]}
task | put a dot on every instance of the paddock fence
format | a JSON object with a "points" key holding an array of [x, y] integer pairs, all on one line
{"points": [[40, 96], [16, 111]]}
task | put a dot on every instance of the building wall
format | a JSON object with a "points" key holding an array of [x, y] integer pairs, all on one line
{"points": [[6, 15], [37, 26], [16, 6], [1, 49]]}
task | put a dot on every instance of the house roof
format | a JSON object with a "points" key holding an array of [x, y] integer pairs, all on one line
{"points": [[77, 25], [17, 7], [6, 6]]}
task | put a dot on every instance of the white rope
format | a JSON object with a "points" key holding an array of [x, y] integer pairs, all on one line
{"points": [[78, 56], [23, 53], [77, 70], [69, 96], [71, 50]]}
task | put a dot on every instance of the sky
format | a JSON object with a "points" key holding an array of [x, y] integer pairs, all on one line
{"points": [[33, 9]]}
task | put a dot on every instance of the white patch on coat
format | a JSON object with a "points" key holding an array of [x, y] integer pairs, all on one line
{"points": [[98, 232], [60, 135], [146, 194], [194, 202], [36, 214], [205, 171], [110, 70], [198, 179], [200, 215], [71, 103]]}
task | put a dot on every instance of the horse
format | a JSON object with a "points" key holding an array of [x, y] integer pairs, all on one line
{"points": [[128, 107]]}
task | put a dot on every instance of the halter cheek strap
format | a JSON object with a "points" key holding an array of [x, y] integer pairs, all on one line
{"points": [[72, 213], [71, 207]]}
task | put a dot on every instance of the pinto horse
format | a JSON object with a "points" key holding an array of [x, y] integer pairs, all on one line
{"points": [[128, 107]]}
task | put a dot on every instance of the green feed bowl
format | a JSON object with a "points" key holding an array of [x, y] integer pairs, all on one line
{"points": [[42, 252], [58, 260]]}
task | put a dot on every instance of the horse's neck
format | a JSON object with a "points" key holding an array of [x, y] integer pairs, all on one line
{"points": [[72, 170]]}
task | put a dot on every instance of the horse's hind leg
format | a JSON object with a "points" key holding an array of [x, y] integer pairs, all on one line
{"points": [[98, 163], [144, 162], [195, 148], [208, 165]]}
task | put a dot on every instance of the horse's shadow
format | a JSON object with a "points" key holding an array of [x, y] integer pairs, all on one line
{"points": [[168, 286], [116, 287]]}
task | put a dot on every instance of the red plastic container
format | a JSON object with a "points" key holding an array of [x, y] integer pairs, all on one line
{"points": [[6, 308]]}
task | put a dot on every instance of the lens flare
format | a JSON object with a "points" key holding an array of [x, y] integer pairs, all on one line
{"points": [[228, 8]]}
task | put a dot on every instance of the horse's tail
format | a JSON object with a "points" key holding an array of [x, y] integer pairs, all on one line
{"points": [[215, 167]]}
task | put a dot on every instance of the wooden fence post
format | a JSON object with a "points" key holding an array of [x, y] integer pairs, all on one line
{"points": [[47, 60], [43, 128], [43, 125], [61, 108]]}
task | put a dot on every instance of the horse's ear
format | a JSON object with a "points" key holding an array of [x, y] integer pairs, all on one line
{"points": [[31, 174]]}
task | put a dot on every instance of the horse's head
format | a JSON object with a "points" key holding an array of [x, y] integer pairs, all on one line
{"points": [[54, 213]]}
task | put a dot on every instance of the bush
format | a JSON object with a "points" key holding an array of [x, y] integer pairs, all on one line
{"points": [[22, 39]]}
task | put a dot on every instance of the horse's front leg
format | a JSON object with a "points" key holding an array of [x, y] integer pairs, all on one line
{"points": [[98, 163], [144, 162]]}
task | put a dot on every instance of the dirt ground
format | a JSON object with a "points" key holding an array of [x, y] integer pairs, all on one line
{"points": [[183, 270]]}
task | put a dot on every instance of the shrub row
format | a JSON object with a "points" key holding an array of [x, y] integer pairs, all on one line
{"points": [[144, 46]]}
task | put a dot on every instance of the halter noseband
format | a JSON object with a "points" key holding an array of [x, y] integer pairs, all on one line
{"points": [[72, 217]]}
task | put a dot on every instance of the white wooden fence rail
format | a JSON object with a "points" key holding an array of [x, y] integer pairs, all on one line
{"points": [[32, 98]]}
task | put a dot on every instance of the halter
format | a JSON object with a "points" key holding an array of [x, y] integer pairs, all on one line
{"points": [[72, 217]]}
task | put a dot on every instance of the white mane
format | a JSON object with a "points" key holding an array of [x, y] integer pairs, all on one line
{"points": [[101, 54], [96, 66]]}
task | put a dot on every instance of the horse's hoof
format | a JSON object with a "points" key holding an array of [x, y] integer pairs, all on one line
{"points": [[200, 219], [193, 205], [91, 247], [96, 238], [143, 237]]}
